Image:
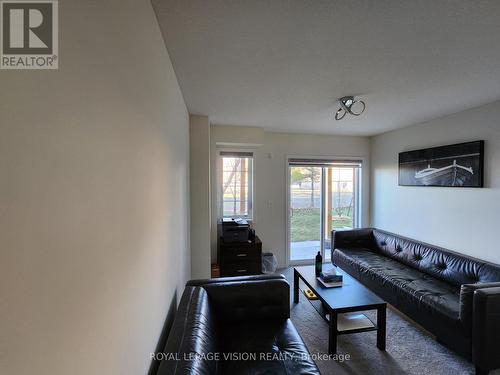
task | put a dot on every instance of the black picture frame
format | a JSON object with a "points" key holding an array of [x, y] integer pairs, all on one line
{"points": [[456, 165]]}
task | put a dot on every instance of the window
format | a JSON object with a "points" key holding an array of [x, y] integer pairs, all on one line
{"points": [[236, 184]]}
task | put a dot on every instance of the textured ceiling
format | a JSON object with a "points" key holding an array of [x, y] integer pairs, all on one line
{"points": [[281, 64]]}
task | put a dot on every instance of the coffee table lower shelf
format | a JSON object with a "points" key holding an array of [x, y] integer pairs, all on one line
{"points": [[323, 312]]}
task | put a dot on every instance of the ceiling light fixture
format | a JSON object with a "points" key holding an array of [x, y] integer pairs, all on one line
{"points": [[349, 105]]}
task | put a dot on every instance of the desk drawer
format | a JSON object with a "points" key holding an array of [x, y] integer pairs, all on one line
{"points": [[243, 268], [239, 255]]}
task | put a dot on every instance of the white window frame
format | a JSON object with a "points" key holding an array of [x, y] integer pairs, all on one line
{"points": [[251, 177]]}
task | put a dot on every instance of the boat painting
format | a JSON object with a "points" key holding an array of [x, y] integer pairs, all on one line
{"points": [[452, 175], [459, 165]]}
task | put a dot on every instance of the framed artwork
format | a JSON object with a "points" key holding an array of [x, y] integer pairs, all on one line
{"points": [[459, 165]]}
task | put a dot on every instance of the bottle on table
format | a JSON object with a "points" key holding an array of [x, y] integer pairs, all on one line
{"points": [[319, 264]]}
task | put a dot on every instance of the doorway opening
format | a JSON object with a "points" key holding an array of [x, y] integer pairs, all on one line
{"points": [[323, 195]]}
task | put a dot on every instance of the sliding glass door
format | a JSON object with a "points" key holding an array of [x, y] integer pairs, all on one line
{"points": [[341, 202], [323, 195], [305, 212]]}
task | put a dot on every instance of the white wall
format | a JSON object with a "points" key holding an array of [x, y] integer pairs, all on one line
{"points": [[270, 175], [94, 197], [466, 220], [199, 146]]}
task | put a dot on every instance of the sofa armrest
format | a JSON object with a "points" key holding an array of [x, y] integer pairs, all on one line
{"points": [[250, 299], [359, 238], [193, 335], [486, 328], [202, 282], [466, 301]]}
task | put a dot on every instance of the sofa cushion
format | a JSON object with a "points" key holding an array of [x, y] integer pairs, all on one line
{"points": [[407, 283], [275, 345], [442, 264], [263, 299]]}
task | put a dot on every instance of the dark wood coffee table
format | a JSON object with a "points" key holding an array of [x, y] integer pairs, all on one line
{"points": [[352, 296]]}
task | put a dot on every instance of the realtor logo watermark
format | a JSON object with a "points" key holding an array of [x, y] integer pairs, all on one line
{"points": [[29, 34]]}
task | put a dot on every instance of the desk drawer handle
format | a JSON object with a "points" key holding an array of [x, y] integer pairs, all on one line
{"points": [[241, 255], [241, 271]]}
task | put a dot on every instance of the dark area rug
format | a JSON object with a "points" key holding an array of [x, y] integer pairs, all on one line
{"points": [[410, 349]]}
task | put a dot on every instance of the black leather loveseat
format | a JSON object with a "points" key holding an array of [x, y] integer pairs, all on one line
{"points": [[235, 325], [455, 297]]}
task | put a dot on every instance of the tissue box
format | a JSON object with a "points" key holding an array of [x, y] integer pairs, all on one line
{"points": [[330, 278]]}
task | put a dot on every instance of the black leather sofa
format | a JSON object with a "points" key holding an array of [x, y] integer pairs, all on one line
{"points": [[235, 325], [455, 297]]}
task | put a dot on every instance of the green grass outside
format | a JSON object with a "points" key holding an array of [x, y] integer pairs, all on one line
{"points": [[305, 223]]}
